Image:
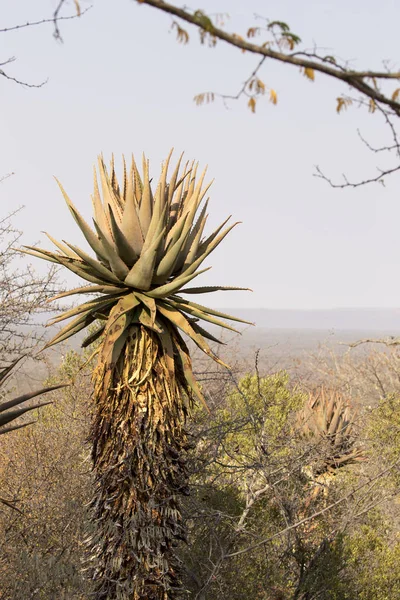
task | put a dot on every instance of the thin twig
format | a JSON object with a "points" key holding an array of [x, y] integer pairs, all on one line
{"points": [[43, 21], [314, 515]]}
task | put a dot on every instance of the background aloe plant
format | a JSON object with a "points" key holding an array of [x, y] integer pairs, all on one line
{"points": [[147, 248], [328, 420]]}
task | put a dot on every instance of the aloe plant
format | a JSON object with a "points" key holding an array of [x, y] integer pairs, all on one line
{"points": [[147, 247], [328, 419]]}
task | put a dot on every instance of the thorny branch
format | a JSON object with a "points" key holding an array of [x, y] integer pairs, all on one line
{"points": [[55, 19], [19, 81], [382, 173]]}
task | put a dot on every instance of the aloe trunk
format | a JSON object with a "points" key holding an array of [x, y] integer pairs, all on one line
{"points": [[139, 443]]}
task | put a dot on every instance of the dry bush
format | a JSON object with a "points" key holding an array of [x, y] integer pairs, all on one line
{"points": [[45, 473], [23, 297]]}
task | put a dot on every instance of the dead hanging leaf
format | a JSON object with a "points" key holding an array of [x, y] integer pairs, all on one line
{"points": [[260, 86], [343, 103], [252, 104], [287, 42], [374, 83], [340, 104], [199, 99], [273, 97], [78, 8], [182, 35], [372, 106], [205, 36], [257, 85], [395, 94], [309, 73], [252, 32], [206, 97]]}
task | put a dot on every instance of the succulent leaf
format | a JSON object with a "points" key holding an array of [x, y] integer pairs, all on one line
{"points": [[212, 288], [8, 412]]}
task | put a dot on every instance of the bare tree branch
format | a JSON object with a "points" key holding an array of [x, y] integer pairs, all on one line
{"points": [[44, 21], [355, 79], [19, 81], [390, 341], [55, 19], [280, 46], [23, 297], [316, 514]]}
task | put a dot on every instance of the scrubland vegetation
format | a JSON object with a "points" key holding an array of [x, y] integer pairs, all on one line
{"points": [[282, 484], [279, 508]]}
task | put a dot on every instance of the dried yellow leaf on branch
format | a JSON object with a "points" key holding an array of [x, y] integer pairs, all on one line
{"points": [[182, 35], [260, 86], [395, 94], [372, 106], [253, 31], [205, 97], [252, 104], [273, 97], [309, 73], [342, 103]]}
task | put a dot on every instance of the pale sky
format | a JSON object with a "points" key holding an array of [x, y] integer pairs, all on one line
{"points": [[120, 83]]}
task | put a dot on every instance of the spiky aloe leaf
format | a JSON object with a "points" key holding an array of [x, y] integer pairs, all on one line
{"points": [[92, 337], [174, 286], [179, 320], [8, 410], [191, 380], [89, 234], [185, 307], [213, 288]]}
